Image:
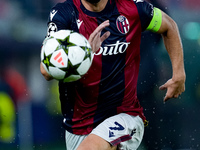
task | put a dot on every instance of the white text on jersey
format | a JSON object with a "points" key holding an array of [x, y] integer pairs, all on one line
{"points": [[113, 49]]}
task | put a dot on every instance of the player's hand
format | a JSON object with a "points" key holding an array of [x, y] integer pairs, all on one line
{"points": [[174, 88], [96, 39], [44, 73]]}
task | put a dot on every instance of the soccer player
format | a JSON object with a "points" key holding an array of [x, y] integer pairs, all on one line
{"points": [[101, 110]]}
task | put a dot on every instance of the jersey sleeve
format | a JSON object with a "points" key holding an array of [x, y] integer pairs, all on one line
{"points": [[60, 18], [145, 11]]}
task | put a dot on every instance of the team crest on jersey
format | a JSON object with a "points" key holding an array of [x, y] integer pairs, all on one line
{"points": [[122, 24]]}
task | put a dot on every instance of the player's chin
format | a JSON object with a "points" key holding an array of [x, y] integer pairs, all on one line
{"points": [[93, 1]]}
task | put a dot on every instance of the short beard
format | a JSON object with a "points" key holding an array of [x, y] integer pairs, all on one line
{"points": [[93, 1]]}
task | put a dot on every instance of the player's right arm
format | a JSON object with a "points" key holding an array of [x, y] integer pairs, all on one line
{"points": [[57, 22], [95, 41]]}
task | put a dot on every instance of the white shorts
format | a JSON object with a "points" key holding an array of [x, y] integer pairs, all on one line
{"points": [[73, 140], [123, 130]]}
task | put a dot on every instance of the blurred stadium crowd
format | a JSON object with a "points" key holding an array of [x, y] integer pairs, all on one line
{"points": [[30, 117]]}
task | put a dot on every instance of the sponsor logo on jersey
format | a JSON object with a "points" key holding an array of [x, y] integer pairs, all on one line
{"points": [[122, 24], [52, 14], [113, 49], [79, 22]]}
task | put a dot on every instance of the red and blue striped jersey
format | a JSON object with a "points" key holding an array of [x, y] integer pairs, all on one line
{"points": [[109, 87]]}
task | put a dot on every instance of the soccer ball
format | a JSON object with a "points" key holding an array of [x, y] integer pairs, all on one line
{"points": [[66, 55]]}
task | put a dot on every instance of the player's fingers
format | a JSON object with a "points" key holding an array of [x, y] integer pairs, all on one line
{"points": [[96, 43], [162, 87], [98, 30], [176, 96], [167, 97], [45, 73], [170, 94], [96, 38], [183, 88], [105, 36], [102, 26]]}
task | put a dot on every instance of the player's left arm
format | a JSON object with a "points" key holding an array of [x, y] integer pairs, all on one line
{"points": [[167, 27]]}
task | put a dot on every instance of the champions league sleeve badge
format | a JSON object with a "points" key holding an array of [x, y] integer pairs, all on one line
{"points": [[122, 24], [52, 28]]}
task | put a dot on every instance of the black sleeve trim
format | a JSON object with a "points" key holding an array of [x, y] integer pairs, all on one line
{"points": [[145, 11], [63, 17]]}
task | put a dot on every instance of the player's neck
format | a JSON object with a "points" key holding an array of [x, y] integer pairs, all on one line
{"points": [[95, 7]]}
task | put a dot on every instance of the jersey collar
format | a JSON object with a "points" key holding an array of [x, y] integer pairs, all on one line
{"points": [[105, 11]]}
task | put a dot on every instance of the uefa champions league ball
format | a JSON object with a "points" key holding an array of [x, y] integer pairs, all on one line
{"points": [[66, 55]]}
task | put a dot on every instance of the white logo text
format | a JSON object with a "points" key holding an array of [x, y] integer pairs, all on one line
{"points": [[113, 49]]}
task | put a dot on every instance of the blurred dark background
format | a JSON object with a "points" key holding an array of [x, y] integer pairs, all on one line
{"points": [[30, 117]]}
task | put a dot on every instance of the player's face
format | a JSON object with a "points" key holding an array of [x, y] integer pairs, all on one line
{"points": [[93, 1]]}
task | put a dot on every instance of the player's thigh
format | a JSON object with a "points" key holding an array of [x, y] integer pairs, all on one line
{"points": [[94, 142]]}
